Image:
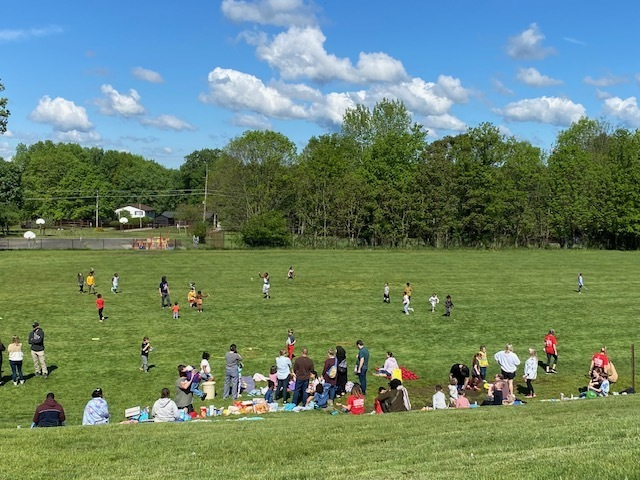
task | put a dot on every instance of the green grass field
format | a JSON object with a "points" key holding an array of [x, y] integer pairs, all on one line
{"points": [[500, 297]]}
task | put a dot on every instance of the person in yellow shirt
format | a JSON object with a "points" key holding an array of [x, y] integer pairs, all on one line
{"points": [[91, 282], [408, 290], [191, 297], [483, 362]]}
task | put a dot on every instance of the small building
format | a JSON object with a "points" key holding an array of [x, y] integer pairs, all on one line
{"points": [[137, 210], [165, 219]]}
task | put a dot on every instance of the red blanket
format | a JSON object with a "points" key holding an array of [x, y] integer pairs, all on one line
{"points": [[408, 374]]}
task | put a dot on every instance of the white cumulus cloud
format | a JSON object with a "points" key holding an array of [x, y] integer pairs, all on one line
{"points": [[533, 78], [444, 122], [241, 91], [167, 122], [552, 110], [280, 13], [115, 103], [147, 75], [63, 115], [254, 122], [626, 110], [528, 45], [300, 53]]}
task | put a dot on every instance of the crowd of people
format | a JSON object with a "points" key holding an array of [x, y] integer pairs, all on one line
{"points": [[294, 378]]}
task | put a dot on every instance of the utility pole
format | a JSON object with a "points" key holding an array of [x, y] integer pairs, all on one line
{"points": [[206, 184], [97, 209]]}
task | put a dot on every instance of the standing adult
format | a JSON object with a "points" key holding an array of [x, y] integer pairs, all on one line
{"points": [[327, 369], [233, 361], [164, 409], [163, 288], [551, 349], [184, 395], [580, 283], [343, 370], [508, 362], [15, 360], [302, 368], [362, 365], [49, 414], [36, 340], [283, 375], [599, 360], [96, 412], [460, 373]]}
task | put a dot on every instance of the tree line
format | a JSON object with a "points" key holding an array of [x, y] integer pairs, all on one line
{"points": [[377, 182]]}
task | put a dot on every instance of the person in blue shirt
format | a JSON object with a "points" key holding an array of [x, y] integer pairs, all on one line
{"points": [[270, 389], [97, 411]]}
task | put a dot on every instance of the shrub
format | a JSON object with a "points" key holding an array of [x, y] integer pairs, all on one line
{"points": [[266, 230]]}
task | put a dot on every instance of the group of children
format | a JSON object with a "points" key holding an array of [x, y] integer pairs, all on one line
{"points": [[406, 300], [91, 284]]}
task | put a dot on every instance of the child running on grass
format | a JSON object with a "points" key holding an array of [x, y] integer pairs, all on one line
{"points": [[144, 354], [199, 297], [434, 300], [191, 297], [100, 305], [114, 283], [176, 310], [448, 306], [81, 282], [385, 294]]}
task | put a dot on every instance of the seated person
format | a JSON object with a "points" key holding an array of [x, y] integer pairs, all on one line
{"points": [[396, 399], [603, 389], [498, 391], [165, 409], [439, 400], [355, 401], [390, 364], [377, 406], [49, 414], [194, 377], [320, 398], [313, 382], [268, 396], [462, 401]]}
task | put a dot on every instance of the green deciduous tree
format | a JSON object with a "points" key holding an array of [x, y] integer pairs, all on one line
{"points": [[4, 112]]}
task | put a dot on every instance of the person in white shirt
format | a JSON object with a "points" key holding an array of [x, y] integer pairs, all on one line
{"points": [[205, 368], [453, 393], [165, 409], [406, 301], [508, 362], [434, 300], [439, 400], [385, 294]]}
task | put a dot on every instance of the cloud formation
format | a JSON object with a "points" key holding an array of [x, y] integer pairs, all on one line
{"points": [[279, 13], [63, 115], [167, 122], [626, 110], [115, 103], [147, 75], [75, 136], [528, 45], [533, 78], [27, 34], [300, 53], [606, 81], [552, 110]]}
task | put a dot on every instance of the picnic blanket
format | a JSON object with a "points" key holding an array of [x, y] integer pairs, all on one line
{"points": [[408, 374]]}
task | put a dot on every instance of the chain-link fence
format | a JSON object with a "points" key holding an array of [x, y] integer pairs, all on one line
{"points": [[87, 244]]}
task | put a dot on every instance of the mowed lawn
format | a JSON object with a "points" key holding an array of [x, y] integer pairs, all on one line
{"points": [[336, 298]]}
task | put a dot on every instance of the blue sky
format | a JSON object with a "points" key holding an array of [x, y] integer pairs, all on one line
{"points": [[162, 79]]}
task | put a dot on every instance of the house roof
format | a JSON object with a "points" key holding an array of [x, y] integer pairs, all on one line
{"points": [[168, 214], [142, 206]]}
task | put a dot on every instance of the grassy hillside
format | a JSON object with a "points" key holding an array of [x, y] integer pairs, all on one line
{"points": [[507, 296]]}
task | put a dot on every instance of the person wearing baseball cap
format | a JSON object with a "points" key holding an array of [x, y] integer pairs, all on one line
{"points": [[36, 340]]}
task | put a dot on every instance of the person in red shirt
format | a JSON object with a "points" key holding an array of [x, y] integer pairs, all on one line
{"points": [[355, 402], [100, 305], [599, 360], [551, 349]]}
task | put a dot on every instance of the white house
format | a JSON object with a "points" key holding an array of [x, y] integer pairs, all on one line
{"points": [[138, 210]]}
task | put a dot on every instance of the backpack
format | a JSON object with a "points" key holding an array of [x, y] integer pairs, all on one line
{"points": [[333, 371], [342, 366]]}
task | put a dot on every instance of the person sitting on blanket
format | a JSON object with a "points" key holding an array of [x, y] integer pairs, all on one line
{"points": [[320, 398], [390, 364]]}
